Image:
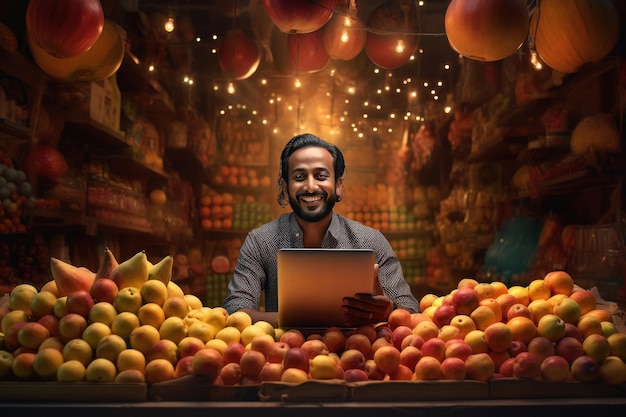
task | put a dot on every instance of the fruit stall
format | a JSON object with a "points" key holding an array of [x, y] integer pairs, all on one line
{"points": [[138, 146]]}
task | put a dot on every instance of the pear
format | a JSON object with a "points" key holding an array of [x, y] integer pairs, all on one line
{"points": [[70, 278], [107, 264], [132, 272], [162, 270]]}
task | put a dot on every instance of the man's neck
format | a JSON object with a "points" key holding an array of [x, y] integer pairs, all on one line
{"points": [[314, 232]]}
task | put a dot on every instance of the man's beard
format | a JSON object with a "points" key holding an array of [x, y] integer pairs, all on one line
{"points": [[312, 217]]}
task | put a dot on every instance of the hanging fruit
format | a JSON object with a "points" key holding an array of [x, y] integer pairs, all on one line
{"points": [[487, 30], [307, 52], [98, 63], [571, 33], [344, 36], [44, 165], [393, 49], [64, 28], [301, 16], [238, 55], [280, 54]]}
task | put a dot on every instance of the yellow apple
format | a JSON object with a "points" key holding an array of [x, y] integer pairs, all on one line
{"points": [[94, 332], [480, 367], [42, 303], [143, 337], [539, 308], [109, 347], [175, 307], [324, 367], [71, 371], [193, 301], [79, 350], [46, 363], [216, 344], [201, 330], [101, 370], [159, 370], [128, 299], [538, 290], [32, 335], [124, 323], [228, 335], [464, 323], [130, 359], [71, 326], [173, 328], [520, 293], [153, 291], [567, 309], [239, 319], [21, 296], [151, 314], [130, 376], [163, 349], [551, 327], [60, 307], [12, 317], [102, 312], [483, 316]]}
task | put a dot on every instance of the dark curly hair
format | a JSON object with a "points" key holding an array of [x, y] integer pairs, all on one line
{"points": [[301, 141]]}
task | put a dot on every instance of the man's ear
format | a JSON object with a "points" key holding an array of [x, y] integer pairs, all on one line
{"points": [[340, 189]]}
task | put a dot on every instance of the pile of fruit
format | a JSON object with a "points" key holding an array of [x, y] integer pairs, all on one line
{"points": [[15, 197], [129, 322]]}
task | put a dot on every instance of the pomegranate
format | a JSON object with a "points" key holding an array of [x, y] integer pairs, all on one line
{"points": [[301, 16], [44, 164], [238, 55], [64, 28], [487, 30], [307, 52], [394, 49]]}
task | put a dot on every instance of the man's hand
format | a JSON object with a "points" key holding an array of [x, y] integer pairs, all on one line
{"points": [[367, 308]]}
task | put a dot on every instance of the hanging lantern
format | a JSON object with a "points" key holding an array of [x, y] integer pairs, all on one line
{"points": [[344, 36], [64, 28], [487, 30], [301, 16], [100, 62], [238, 55], [307, 52], [394, 49], [571, 33]]}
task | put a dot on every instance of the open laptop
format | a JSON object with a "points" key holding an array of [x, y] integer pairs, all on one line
{"points": [[312, 283]]}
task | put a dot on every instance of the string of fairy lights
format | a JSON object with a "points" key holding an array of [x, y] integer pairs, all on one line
{"points": [[286, 102]]}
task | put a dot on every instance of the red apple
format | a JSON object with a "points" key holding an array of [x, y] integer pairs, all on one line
{"points": [[296, 358], [369, 331], [412, 340], [104, 289], [585, 369], [207, 363], [360, 342], [277, 352], [542, 347], [465, 300], [231, 373], [434, 347], [517, 310], [505, 301], [79, 302], [50, 322], [232, 352], [398, 334], [555, 368], [334, 339], [453, 369], [457, 348], [271, 371], [251, 363], [384, 332], [293, 337], [355, 375], [517, 346], [527, 365], [507, 368], [443, 315], [183, 367], [409, 356], [352, 359], [569, 348], [572, 330], [189, 346]]}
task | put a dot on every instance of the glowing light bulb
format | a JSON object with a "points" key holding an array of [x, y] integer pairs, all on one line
{"points": [[230, 88], [400, 46], [169, 25], [297, 83], [344, 36]]}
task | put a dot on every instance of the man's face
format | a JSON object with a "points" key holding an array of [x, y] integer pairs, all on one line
{"points": [[312, 188]]}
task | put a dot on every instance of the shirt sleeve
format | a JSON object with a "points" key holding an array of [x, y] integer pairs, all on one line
{"points": [[247, 283]]}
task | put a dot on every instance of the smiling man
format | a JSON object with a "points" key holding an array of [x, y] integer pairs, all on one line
{"points": [[311, 180]]}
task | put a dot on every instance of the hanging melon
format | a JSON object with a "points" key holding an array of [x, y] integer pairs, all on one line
{"points": [[571, 33]]}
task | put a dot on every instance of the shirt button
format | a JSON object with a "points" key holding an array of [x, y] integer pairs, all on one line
{"points": [[297, 234]]}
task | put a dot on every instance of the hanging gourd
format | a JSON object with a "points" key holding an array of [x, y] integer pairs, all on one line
{"points": [[301, 16], [486, 30], [64, 28], [392, 39], [100, 62], [571, 33], [238, 55], [306, 51], [345, 34]]}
